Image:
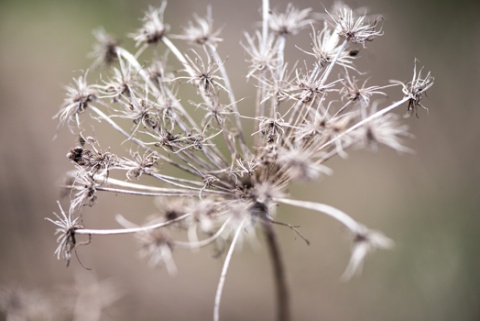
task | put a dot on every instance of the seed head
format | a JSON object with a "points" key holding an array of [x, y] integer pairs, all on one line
{"points": [[416, 89], [79, 96], [201, 31], [355, 28], [66, 226], [105, 50], [290, 22], [214, 179], [153, 28]]}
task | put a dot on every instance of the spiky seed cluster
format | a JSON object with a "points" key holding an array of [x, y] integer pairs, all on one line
{"points": [[201, 31], [153, 28], [303, 117], [290, 22], [353, 27]]}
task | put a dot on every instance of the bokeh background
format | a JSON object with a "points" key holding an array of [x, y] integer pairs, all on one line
{"points": [[429, 202]]}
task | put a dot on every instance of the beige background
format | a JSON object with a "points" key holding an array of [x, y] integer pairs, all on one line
{"points": [[427, 202]]}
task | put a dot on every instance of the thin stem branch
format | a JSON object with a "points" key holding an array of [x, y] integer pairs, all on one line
{"points": [[187, 190], [130, 230], [212, 50], [223, 275], [265, 18], [331, 211], [205, 242], [332, 63], [173, 193], [366, 120]]}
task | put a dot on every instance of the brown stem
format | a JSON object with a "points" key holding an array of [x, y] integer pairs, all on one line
{"points": [[283, 297]]}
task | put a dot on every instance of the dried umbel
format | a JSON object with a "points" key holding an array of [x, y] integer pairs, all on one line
{"points": [[233, 180]]}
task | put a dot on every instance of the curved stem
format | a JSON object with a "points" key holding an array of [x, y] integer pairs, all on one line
{"points": [[205, 242], [223, 275], [130, 230], [331, 211]]}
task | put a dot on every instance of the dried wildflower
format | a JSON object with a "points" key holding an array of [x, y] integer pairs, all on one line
{"points": [[204, 74], [157, 247], [215, 115], [139, 164], [225, 188], [365, 241], [201, 32], [327, 48], [78, 98], [385, 130], [204, 213], [290, 22], [353, 27], [91, 158], [262, 55], [153, 28], [416, 89], [158, 72], [298, 164], [361, 94], [83, 189], [66, 226], [120, 84], [105, 50], [308, 89]]}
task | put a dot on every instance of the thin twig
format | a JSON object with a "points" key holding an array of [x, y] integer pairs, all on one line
{"points": [[223, 275]]}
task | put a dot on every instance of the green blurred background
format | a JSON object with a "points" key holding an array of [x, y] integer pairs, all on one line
{"points": [[429, 203]]}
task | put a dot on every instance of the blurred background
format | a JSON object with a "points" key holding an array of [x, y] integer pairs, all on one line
{"points": [[428, 203]]}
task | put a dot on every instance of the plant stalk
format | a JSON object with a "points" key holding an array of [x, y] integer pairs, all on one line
{"points": [[281, 287]]}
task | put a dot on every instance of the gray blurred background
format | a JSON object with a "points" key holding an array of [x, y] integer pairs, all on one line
{"points": [[428, 202]]}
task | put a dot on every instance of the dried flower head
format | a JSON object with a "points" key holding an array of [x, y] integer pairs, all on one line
{"points": [[290, 22], [384, 130], [194, 157], [327, 48], [365, 241], [201, 31], [153, 28], [157, 248], [416, 89], [66, 226], [354, 27], [361, 94], [77, 99], [262, 53], [105, 50]]}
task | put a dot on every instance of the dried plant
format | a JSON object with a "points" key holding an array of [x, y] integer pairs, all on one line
{"points": [[234, 180]]}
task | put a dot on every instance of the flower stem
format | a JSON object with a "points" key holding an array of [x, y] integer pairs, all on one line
{"points": [[223, 275], [281, 287]]}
